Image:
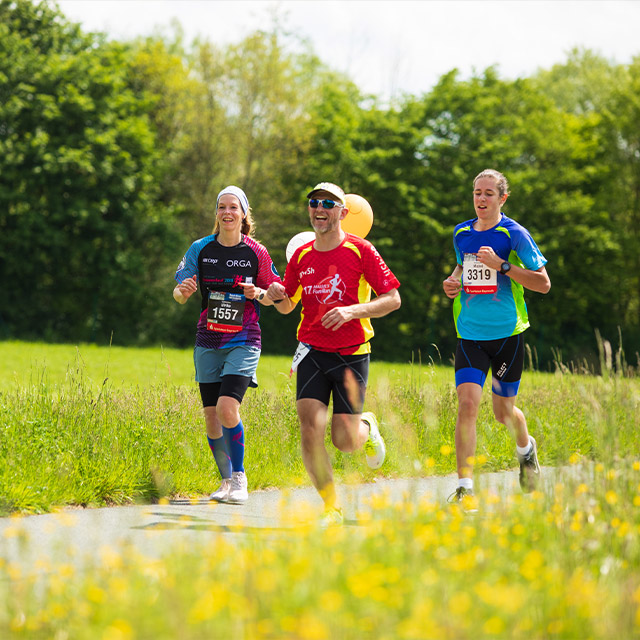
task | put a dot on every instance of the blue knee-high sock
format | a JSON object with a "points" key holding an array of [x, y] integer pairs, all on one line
{"points": [[234, 439], [219, 449]]}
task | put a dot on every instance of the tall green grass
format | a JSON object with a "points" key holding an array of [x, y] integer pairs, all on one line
{"points": [[72, 433]]}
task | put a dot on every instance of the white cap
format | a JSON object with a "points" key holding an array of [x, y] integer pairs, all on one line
{"points": [[331, 189]]}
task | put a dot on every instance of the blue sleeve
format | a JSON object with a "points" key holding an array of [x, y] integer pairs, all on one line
{"points": [[188, 266], [527, 250]]}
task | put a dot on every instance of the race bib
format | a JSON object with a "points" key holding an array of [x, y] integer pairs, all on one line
{"points": [[302, 350], [477, 277], [225, 312]]}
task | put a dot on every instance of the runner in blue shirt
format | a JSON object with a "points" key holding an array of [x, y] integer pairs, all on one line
{"points": [[232, 272], [496, 260]]}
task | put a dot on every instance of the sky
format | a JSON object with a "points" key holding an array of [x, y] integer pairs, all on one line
{"points": [[393, 47]]}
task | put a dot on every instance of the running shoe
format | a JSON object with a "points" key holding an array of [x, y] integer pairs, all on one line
{"points": [[222, 493], [466, 498], [529, 468], [238, 493], [332, 518], [374, 448]]}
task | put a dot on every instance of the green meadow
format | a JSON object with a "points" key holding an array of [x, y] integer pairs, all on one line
{"points": [[96, 426]]}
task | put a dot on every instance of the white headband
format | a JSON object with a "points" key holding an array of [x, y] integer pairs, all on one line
{"points": [[238, 193]]}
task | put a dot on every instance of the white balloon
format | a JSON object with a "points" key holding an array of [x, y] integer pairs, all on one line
{"points": [[297, 241]]}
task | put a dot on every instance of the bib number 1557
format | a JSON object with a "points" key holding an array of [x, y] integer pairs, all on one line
{"points": [[225, 312]]}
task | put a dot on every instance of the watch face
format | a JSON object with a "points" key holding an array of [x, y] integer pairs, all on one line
{"points": [[505, 267]]}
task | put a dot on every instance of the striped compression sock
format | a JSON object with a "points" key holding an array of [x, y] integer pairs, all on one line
{"points": [[234, 439], [219, 449]]}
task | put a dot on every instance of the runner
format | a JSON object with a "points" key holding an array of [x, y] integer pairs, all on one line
{"points": [[496, 259], [333, 276], [232, 271]]}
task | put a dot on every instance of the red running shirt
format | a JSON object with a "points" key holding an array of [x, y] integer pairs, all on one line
{"points": [[337, 278]]}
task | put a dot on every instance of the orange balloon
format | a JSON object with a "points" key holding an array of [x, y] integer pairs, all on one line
{"points": [[359, 220]]}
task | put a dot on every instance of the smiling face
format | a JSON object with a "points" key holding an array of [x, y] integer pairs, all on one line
{"points": [[324, 220], [229, 214], [487, 199]]}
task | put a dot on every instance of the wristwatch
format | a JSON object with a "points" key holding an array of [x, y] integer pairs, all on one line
{"points": [[505, 267]]}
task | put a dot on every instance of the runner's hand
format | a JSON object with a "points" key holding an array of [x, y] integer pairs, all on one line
{"points": [[276, 291], [188, 287], [336, 317], [250, 290], [452, 286], [490, 258]]}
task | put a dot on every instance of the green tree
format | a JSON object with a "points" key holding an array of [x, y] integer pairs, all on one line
{"points": [[606, 95], [583, 84], [623, 196], [82, 233], [111, 156]]}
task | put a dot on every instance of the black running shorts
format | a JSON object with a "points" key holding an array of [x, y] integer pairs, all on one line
{"points": [[322, 374]]}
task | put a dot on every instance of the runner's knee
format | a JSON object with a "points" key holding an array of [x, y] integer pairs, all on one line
{"points": [[228, 410]]}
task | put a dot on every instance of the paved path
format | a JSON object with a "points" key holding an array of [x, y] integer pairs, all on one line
{"points": [[74, 534]]}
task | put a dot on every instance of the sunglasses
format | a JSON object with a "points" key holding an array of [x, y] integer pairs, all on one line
{"points": [[314, 203]]}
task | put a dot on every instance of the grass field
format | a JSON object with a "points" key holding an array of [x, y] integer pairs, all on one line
{"points": [[95, 426]]}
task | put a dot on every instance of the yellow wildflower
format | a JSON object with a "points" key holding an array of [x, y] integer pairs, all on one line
{"points": [[331, 600], [493, 626], [118, 630], [96, 594], [611, 497], [531, 565]]}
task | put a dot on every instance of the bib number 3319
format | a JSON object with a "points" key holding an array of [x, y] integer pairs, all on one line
{"points": [[477, 277], [225, 312]]}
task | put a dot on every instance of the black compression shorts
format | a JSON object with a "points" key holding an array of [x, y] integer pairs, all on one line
{"points": [[230, 385], [504, 356]]}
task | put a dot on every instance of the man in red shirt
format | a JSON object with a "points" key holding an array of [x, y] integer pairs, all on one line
{"points": [[333, 276]]}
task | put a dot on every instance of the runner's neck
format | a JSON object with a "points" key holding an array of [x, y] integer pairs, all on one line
{"points": [[485, 225], [329, 241], [229, 239]]}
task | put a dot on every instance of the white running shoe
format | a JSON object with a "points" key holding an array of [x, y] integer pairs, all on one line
{"points": [[374, 448], [331, 518], [466, 498], [238, 493], [530, 468], [222, 493]]}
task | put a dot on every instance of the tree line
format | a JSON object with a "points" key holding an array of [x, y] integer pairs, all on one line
{"points": [[112, 153]]}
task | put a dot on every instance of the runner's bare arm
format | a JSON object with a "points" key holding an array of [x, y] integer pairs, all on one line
{"points": [[276, 292], [256, 293], [185, 289], [537, 280]]}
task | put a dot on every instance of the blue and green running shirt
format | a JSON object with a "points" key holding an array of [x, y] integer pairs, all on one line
{"points": [[492, 316]]}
